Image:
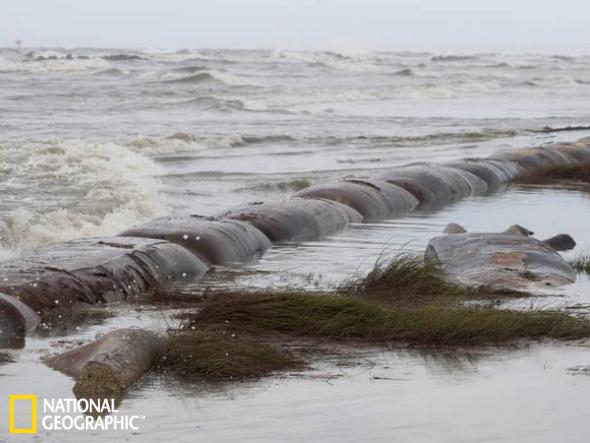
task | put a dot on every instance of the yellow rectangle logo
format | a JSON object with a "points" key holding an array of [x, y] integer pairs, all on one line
{"points": [[33, 399]]}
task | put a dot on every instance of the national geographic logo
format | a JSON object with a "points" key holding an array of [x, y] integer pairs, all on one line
{"points": [[67, 414], [30, 398]]}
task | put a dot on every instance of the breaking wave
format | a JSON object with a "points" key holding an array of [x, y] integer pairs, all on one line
{"points": [[211, 76], [182, 142], [329, 59], [95, 189], [171, 55], [61, 65]]}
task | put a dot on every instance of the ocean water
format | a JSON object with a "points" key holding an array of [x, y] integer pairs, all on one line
{"points": [[95, 140]]}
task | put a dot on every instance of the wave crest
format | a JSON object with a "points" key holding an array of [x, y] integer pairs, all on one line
{"points": [[211, 76], [96, 188]]}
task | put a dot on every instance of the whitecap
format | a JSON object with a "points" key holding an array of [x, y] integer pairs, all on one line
{"points": [[341, 60], [61, 65], [209, 76], [96, 189], [182, 142]]}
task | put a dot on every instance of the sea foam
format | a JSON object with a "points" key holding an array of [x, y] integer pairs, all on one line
{"points": [[87, 189]]}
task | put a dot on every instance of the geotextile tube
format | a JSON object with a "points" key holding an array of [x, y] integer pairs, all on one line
{"points": [[170, 252], [106, 367]]}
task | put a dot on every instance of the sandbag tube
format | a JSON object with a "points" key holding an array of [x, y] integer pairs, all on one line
{"points": [[93, 270], [169, 252], [108, 366]]}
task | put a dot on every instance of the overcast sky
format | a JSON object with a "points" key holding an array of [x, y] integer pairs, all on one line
{"points": [[425, 25]]}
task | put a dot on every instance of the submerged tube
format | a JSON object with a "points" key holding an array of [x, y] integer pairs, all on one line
{"points": [[16, 321], [437, 185], [296, 219], [427, 187], [373, 199], [500, 261], [427, 198], [107, 367], [494, 172], [463, 183], [93, 270], [532, 158], [218, 242], [103, 269], [577, 151]]}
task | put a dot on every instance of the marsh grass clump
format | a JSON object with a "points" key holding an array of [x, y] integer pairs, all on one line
{"points": [[341, 318], [236, 335], [215, 354], [405, 276], [409, 279], [581, 264], [555, 173]]}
